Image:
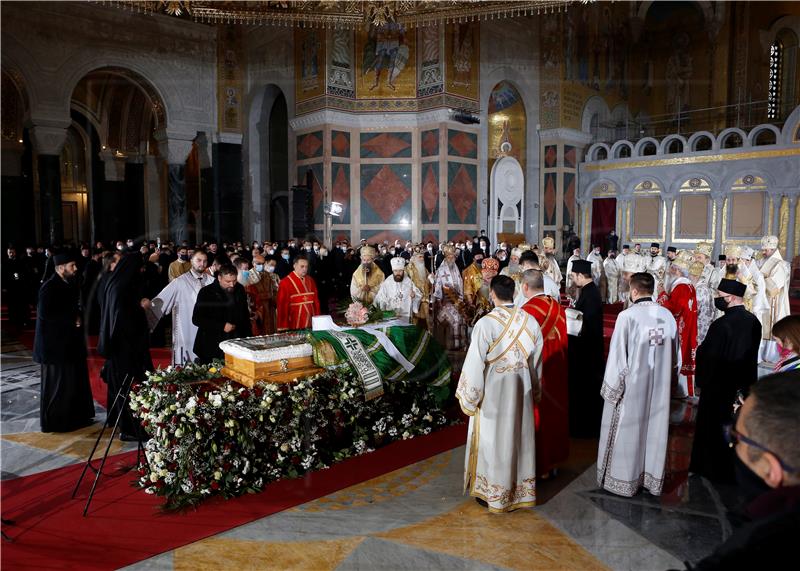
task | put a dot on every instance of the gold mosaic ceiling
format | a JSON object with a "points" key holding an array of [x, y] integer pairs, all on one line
{"points": [[343, 14]]}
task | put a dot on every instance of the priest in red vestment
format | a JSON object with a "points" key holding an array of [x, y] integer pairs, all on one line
{"points": [[551, 412], [679, 296], [298, 301]]}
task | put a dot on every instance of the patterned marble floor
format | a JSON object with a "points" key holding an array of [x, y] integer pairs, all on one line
{"points": [[416, 517]]}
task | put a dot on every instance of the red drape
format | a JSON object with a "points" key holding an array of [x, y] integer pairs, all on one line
{"points": [[604, 219]]}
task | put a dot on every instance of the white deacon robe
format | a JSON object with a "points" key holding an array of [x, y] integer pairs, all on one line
{"points": [[396, 296], [571, 259], [498, 383], [549, 266], [550, 288], [179, 298], [612, 277], [597, 267], [657, 267], [644, 361]]}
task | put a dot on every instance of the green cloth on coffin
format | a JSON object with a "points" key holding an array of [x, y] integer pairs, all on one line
{"points": [[431, 366]]}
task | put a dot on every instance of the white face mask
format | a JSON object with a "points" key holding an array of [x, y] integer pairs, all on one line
{"points": [[259, 267], [270, 269]]}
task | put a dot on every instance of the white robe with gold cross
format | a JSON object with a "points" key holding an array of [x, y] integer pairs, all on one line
{"points": [[498, 384]]}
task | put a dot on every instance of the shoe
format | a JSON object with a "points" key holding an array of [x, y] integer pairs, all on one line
{"points": [[482, 502], [128, 437]]}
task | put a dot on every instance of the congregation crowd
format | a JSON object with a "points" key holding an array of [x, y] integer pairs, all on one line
{"points": [[531, 337]]}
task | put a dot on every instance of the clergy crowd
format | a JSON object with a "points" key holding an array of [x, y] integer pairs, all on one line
{"points": [[535, 369]]}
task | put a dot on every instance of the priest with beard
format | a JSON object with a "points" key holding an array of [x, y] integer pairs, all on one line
{"points": [[680, 299], [586, 356], [124, 338], [473, 278], [448, 295], [66, 398], [367, 278], [551, 413], [513, 269], [418, 274], [727, 362], [398, 293], [643, 363], [548, 261]]}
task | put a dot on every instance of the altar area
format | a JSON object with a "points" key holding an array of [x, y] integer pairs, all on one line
{"points": [[284, 405]]}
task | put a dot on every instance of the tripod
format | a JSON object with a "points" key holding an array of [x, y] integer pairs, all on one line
{"points": [[122, 397]]}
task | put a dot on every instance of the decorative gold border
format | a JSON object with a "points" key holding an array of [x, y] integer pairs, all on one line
{"points": [[694, 160], [751, 239]]}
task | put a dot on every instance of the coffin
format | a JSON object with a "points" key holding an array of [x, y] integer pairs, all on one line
{"points": [[281, 358]]}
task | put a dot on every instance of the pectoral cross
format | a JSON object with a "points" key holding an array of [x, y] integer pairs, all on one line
{"points": [[657, 336]]}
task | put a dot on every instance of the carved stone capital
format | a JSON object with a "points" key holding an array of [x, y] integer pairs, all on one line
{"points": [[48, 140], [113, 166], [175, 148], [204, 153]]}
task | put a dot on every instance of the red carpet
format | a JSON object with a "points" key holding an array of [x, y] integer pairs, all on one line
{"points": [[124, 525]]}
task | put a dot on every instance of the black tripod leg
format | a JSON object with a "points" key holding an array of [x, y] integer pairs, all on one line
{"points": [[96, 443]]}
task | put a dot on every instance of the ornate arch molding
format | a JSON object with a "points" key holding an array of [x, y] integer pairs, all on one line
{"points": [[674, 189], [640, 144], [791, 128], [595, 105], [667, 141], [591, 154], [723, 136], [758, 129], [767, 37], [772, 187], [618, 145], [695, 136]]}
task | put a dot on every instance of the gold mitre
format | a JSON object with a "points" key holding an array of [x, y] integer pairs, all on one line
{"points": [[683, 259], [548, 242], [705, 248], [368, 252], [449, 249], [733, 251], [524, 247], [769, 242], [696, 269]]}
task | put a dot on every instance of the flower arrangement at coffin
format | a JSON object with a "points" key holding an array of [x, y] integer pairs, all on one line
{"points": [[357, 314], [222, 438]]}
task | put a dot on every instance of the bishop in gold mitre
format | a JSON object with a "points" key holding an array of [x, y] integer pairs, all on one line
{"points": [[367, 278]]}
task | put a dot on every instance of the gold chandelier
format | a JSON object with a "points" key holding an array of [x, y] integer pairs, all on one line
{"points": [[344, 13]]}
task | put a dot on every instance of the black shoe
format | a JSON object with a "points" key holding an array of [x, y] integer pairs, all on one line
{"points": [[482, 502], [128, 437]]}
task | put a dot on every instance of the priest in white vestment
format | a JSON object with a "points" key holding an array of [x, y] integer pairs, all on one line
{"points": [[612, 271], [644, 361], [398, 293], [548, 261], [179, 298], [596, 259], [776, 273], [498, 385], [755, 300], [530, 261], [576, 255]]}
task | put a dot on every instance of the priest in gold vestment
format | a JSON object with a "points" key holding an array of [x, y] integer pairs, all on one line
{"points": [[419, 276], [367, 278], [498, 385]]}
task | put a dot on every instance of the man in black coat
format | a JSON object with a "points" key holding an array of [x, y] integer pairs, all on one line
{"points": [[767, 456], [66, 397], [15, 286], [221, 313], [585, 353], [726, 362]]}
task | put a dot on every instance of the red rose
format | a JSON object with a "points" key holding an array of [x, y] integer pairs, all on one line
{"points": [[245, 394], [172, 388], [259, 391], [296, 460], [215, 485]]}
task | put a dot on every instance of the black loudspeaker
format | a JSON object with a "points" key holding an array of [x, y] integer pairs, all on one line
{"points": [[302, 209]]}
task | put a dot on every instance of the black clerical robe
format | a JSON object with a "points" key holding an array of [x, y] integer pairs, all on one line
{"points": [[214, 308], [586, 366], [726, 362], [66, 398]]}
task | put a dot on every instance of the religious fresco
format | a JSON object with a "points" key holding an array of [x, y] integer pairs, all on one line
{"points": [[570, 157], [386, 62], [385, 145], [340, 63], [386, 194], [317, 195], [309, 57], [462, 144], [309, 145], [462, 59], [462, 193], [550, 156], [460, 236], [430, 143], [431, 80], [230, 79], [340, 189], [430, 193], [340, 144], [507, 122]]}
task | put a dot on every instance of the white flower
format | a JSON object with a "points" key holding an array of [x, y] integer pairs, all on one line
{"points": [[284, 447], [179, 433], [406, 435], [198, 435], [217, 475], [153, 477]]}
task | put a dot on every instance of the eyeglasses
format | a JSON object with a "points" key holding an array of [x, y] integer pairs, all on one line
{"points": [[734, 437]]}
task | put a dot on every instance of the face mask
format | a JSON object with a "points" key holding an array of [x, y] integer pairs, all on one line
{"points": [[285, 257], [184, 257], [784, 352], [270, 269], [720, 303], [430, 248], [750, 484], [245, 275], [308, 248], [259, 267]]}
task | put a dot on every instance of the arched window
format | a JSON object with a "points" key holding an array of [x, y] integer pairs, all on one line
{"points": [[594, 127], [782, 75]]}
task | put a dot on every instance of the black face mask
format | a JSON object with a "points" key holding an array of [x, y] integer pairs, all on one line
{"points": [[750, 484], [720, 303]]}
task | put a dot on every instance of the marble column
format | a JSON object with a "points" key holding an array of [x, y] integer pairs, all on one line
{"points": [[776, 199], [176, 149], [717, 238], [790, 253], [669, 203], [48, 141]]}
